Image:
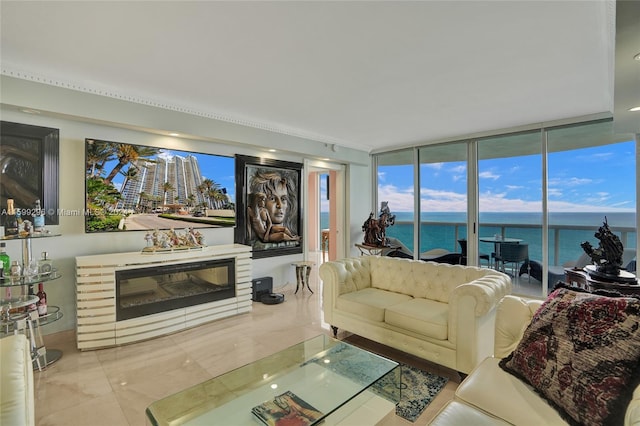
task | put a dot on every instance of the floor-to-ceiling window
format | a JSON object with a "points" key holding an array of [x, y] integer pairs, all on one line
{"points": [[561, 179], [443, 196], [395, 176], [591, 178], [510, 201]]}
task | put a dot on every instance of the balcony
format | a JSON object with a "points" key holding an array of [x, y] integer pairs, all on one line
{"points": [[564, 242]]}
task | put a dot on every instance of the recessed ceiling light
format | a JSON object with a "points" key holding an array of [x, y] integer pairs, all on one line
{"points": [[174, 134], [637, 57], [635, 109], [272, 150]]}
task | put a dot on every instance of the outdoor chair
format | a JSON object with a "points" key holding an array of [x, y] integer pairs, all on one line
{"points": [[463, 249], [435, 255], [514, 254]]}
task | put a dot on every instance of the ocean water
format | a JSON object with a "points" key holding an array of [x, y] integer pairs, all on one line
{"points": [[442, 230]]}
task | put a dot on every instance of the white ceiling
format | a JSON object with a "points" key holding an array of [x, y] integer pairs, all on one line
{"points": [[368, 75]]}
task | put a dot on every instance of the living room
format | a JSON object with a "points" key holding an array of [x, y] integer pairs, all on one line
{"points": [[83, 106]]}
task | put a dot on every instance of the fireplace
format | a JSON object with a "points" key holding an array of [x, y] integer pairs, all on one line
{"points": [[150, 290], [114, 286]]}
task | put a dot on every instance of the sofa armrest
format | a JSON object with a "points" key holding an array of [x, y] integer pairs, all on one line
{"points": [[512, 318], [472, 310], [632, 416], [17, 405], [487, 292], [340, 277]]}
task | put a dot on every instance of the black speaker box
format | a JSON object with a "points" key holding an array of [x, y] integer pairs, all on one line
{"points": [[260, 287]]}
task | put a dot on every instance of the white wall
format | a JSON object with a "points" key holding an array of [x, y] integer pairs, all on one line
{"points": [[77, 115]]}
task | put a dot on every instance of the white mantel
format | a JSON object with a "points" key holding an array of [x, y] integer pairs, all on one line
{"points": [[96, 296]]}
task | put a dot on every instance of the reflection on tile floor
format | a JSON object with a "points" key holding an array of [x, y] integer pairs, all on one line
{"points": [[114, 386]]}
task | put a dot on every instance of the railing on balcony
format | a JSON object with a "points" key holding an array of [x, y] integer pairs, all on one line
{"points": [[564, 240]]}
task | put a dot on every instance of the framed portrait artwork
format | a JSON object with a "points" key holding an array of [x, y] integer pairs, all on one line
{"points": [[29, 156], [269, 210]]}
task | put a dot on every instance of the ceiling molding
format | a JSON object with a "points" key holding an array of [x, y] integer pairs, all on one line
{"points": [[115, 94]]}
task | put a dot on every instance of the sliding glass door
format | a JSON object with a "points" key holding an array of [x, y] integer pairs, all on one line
{"points": [[510, 204], [443, 197], [395, 176]]}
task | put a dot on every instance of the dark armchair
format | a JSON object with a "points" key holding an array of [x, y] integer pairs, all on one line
{"points": [[514, 254], [463, 249]]}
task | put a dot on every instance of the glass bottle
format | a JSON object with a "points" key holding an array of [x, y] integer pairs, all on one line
{"points": [[11, 223], [19, 221], [16, 271], [45, 265], [38, 218], [6, 261], [42, 300]]}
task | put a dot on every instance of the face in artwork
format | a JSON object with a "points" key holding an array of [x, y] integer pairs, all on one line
{"points": [[278, 204]]}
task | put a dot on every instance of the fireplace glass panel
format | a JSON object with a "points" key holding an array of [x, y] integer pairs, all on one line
{"points": [[150, 290]]}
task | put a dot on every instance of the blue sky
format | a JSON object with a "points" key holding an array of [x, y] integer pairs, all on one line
{"points": [[587, 180]]}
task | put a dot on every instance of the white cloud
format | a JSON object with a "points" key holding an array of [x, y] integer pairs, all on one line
{"points": [[436, 166], [572, 181], [400, 200], [165, 155], [433, 200], [554, 192], [488, 175], [513, 187]]}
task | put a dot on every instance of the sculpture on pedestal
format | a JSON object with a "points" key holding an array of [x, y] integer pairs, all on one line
{"points": [[375, 229], [607, 257]]}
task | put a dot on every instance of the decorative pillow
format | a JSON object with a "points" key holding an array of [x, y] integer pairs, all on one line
{"points": [[581, 352]]}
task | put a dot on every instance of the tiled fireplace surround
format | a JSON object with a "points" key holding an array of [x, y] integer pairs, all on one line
{"points": [[96, 295]]}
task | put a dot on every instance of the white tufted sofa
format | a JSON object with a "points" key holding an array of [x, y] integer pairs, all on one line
{"points": [[440, 312], [16, 382]]}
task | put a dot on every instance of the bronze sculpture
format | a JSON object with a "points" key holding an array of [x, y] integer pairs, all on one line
{"points": [[375, 229], [607, 257]]}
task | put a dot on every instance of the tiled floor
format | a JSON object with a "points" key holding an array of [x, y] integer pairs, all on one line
{"points": [[114, 386]]}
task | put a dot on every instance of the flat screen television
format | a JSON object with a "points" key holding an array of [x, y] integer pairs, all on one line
{"points": [[132, 187]]}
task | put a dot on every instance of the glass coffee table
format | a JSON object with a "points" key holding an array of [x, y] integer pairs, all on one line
{"points": [[318, 380]]}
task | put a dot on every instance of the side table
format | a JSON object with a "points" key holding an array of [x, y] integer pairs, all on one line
{"points": [[29, 323], [582, 279], [303, 270]]}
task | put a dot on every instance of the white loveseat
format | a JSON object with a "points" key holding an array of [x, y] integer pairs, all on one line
{"points": [[440, 312], [491, 396]]}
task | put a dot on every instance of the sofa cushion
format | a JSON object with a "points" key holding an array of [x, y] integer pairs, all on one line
{"points": [[422, 316], [581, 352], [491, 389], [457, 413], [369, 303]]}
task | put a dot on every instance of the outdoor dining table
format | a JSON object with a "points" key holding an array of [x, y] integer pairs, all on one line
{"points": [[497, 241]]}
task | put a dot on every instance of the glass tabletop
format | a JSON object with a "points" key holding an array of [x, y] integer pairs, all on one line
{"points": [[45, 234], [499, 239], [318, 376]]}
